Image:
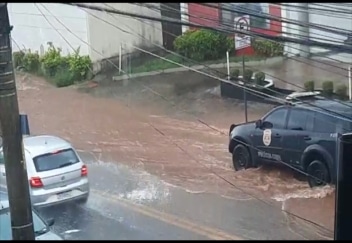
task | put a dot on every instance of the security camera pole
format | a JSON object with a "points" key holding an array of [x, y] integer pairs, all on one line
{"points": [[16, 172]]}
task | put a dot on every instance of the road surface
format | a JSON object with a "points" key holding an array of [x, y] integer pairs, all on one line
{"points": [[133, 205], [134, 134]]}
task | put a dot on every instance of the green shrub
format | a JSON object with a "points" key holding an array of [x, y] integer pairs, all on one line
{"points": [[79, 65], [235, 73], [309, 85], [328, 88], [247, 76], [52, 60], [259, 78], [63, 78], [31, 62], [267, 48], [62, 70], [18, 58], [201, 45], [341, 91]]}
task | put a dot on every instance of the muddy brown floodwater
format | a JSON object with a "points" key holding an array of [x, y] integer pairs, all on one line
{"points": [[135, 127]]}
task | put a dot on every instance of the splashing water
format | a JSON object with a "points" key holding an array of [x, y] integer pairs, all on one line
{"points": [[149, 193], [306, 193], [143, 187]]}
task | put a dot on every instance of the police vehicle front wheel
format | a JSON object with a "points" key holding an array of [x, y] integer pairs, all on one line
{"points": [[241, 158], [318, 174]]}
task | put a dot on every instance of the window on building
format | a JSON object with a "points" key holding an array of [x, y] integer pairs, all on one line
{"points": [[229, 11]]}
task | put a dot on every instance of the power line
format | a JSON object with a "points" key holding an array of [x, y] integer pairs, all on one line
{"points": [[244, 87], [231, 26], [117, 27], [290, 83], [293, 8], [61, 35], [226, 81], [226, 31], [203, 64], [234, 185], [224, 179], [325, 9], [277, 24], [35, 14], [338, 67], [67, 42], [265, 36], [39, 27], [325, 28], [313, 222]]}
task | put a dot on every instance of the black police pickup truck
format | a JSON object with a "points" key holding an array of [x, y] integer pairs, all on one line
{"points": [[300, 135]]}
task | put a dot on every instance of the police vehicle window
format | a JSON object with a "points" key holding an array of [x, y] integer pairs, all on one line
{"points": [[324, 123], [297, 120], [277, 118], [310, 121]]}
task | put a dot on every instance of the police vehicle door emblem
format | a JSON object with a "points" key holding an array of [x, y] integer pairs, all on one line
{"points": [[267, 137]]}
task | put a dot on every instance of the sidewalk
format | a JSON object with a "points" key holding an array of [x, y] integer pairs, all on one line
{"points": [[267, 62]]}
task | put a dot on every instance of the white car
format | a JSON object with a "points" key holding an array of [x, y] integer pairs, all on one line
{"points": [[41, 228], [55, 171]]}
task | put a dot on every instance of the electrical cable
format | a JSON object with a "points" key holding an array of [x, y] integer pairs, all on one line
{"points": [[265, 36], [290, 83], [61, 35], [214, 77], [327, 64], [89, 7], [266, 202], [325, 28], [272, 23], [324, 9], [318, 12], [293, 84], [225, 81]]}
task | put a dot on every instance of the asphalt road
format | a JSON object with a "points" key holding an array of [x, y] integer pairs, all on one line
{"points": [[133, 205]]}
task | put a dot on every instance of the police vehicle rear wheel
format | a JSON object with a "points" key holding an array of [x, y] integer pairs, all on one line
{"points": [[319, 174], [241, 158]]}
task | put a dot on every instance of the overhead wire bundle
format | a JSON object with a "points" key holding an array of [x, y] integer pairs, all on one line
{"points": [[114, 11]]}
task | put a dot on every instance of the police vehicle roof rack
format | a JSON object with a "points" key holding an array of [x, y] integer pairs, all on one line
{"points": [[297, 97]]}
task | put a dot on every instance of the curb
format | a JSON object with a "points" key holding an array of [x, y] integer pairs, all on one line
{"points": [[269, 61]]}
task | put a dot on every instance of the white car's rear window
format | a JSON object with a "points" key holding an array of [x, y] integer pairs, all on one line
{"points": [[55, 160]]}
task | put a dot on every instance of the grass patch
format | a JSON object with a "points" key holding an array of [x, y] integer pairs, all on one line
{"points": [[160, 64]]}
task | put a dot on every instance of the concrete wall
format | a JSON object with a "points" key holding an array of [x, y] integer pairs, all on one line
{"points": [[106, 38], [333, 20], [31, 30]]}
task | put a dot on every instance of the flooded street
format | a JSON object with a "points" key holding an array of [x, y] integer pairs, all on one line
{"points": [[157, 132]]}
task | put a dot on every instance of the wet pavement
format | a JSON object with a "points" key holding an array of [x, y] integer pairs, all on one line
{"points": [[129, 204], [149, 152]]}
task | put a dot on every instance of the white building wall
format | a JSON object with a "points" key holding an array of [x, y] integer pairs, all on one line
{"points": [[332, 20], [106, 38], [288, 30], [31, 30], [184, 16]]}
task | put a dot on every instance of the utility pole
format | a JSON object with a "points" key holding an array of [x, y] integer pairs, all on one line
{"points": [[16, 172], [244, 90]]}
